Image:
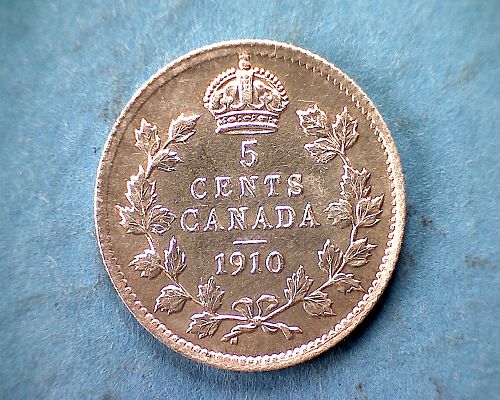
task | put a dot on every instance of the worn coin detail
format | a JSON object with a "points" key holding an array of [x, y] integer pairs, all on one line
{"points": [[250, 205]]}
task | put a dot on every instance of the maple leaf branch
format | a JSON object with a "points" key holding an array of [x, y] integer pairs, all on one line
{"points": [[180, 130], [333, 279], [352, 235], [169, 276], [153, 158]]}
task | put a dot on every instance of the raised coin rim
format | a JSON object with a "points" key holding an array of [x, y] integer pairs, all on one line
{"points": [[338, 332]]}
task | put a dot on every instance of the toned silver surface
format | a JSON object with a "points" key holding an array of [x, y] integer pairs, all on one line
{"points": [[250, 205]]}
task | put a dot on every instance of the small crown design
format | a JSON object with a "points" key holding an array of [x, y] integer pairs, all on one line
{"points": [[246, 101]]}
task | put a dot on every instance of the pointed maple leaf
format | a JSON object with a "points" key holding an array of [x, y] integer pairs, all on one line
{"points": [[314, 122], [140, 192], [182, 128], [203, 324], [340, 212], [330, 258], [146, 138], [160, 219], [297, 285], [345, 283], [166, 160], [171, 299], [367, 211], [354, 184], [148, 262], [210, 295], [131, 220], [317, 304], [358, 253], [345, 129], [175, 259]]}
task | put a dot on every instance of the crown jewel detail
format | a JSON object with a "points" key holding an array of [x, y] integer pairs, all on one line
{"points": [[246, 101]]}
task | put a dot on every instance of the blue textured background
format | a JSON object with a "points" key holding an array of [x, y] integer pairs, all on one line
{"points": [[66, 71]]}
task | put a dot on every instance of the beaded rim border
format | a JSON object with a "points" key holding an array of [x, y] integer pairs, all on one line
{"points": [[395, 237]]}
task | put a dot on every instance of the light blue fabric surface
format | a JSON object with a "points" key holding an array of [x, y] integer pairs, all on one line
{"points": [[67, 68]]}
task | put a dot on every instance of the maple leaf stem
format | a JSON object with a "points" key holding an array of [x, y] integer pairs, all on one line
{"points": [[229, 317], [191, 297], [166, 144], [279, 310], [149, 168], [325, 284], [354, 232], [150, 241], [152, 158], [330, 281], [345, 160]]}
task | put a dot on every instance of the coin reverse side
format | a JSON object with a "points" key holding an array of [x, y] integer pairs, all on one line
{"points": [[250, 205]]}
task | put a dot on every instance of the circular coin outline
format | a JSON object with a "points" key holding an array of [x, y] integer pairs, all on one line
{"points": [[316, 64]]}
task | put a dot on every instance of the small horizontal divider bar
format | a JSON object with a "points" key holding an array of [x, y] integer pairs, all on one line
{"points": [[250, 241]]}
